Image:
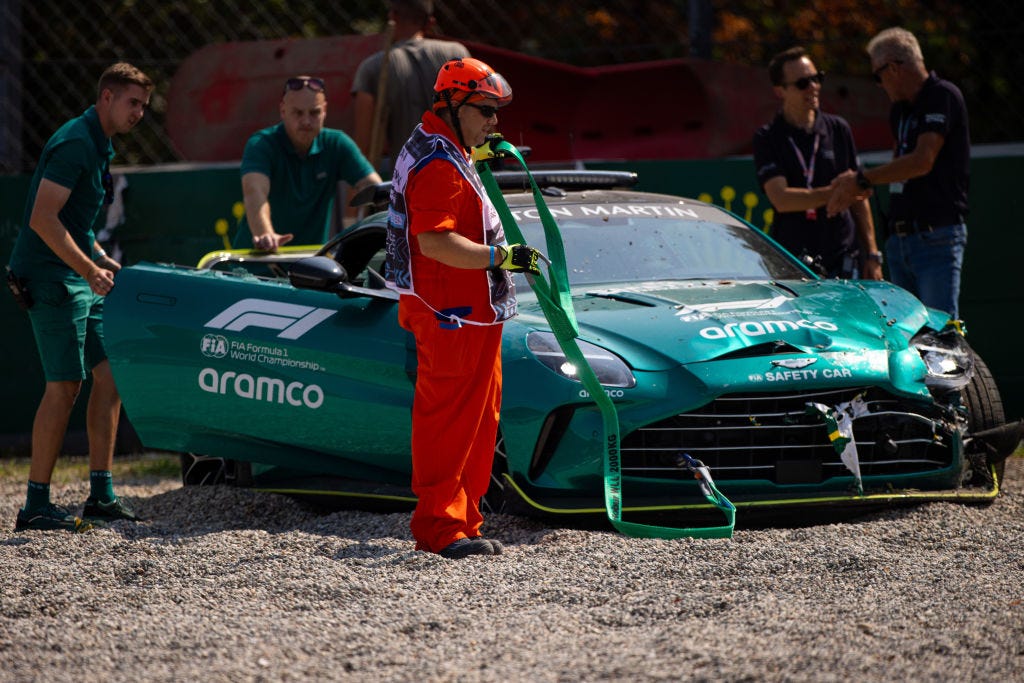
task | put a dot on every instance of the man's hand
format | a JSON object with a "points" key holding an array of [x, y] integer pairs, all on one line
{"points": [[872, 270], [100, 280], [845, 192], [271, 241], [519, 258]]}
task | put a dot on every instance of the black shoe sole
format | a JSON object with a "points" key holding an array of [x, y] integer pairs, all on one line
{"points": [[476, 546]]}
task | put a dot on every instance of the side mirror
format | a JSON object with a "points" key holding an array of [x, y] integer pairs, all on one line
{"points": [[321, 273]]}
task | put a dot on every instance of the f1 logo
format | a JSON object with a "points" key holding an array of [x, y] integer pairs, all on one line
{"points": [[692, 312], [292, 319]]}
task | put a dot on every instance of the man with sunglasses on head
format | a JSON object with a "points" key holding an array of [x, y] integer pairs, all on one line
{"points": [[63, 274], [447, 257], [290, 172], [928, 177], [798, 156]]}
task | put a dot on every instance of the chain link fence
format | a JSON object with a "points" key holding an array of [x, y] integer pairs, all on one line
{"points": [[52, 51]]}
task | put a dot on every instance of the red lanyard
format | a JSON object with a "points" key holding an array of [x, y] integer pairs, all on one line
{"points": [[808, 170]]}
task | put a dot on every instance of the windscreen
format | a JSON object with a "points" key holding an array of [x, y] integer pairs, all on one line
{"points": [[620, 243]]}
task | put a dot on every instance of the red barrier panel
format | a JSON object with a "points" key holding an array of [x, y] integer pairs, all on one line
{"points": [[667, 109]]}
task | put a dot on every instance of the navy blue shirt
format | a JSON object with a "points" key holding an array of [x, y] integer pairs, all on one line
{"points": [[774, 155], [940, 197]]}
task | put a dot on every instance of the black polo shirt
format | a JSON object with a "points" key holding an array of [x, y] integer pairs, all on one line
{"points": [[774, 155], [939, 197]]}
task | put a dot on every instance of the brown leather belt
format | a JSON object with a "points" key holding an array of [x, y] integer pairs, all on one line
{"points": [[903, 228]]}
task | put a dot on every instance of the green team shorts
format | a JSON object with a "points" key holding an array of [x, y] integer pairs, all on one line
{"points": [[67, 320]]}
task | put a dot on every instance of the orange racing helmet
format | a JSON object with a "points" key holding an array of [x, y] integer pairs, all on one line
{"points": [[470, 76]]}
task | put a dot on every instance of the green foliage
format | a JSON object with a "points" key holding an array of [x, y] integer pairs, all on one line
{"points": [[64, 46]]}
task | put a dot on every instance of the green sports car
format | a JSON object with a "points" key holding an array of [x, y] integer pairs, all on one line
{"points": [[289, 371]]}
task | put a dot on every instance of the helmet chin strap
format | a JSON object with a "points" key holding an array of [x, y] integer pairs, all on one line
{"points": [[456, 125]]}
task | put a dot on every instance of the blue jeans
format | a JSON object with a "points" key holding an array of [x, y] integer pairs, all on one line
{"points": [[928, 264]]}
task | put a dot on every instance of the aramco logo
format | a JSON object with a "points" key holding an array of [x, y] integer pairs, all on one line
{"points": [[269, 389]]}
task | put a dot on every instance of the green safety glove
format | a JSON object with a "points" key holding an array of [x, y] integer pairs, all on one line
{"points": [[518, 258]]}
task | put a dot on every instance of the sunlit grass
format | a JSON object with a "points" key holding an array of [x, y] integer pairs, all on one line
{"points": [[153, 465], [76, 468]]}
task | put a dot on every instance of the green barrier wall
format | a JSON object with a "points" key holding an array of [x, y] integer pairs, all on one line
{"points": [[178, 213]]}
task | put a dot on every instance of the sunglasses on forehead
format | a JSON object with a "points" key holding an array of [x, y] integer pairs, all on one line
{"points": [[805, 82], [486, 110], [314, 84]]}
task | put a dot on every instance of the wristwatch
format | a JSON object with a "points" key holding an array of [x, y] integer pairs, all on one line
{"points": [[875, 256], [862, 180]]}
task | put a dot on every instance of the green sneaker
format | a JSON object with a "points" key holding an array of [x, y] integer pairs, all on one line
{"points": [[51, 517], [108, 512]]}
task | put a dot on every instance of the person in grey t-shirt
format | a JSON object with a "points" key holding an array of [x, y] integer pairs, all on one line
{"points": [[413, 63]]}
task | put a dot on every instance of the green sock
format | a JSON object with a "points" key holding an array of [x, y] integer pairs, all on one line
{"points": [[101, 486], [38, 496]]}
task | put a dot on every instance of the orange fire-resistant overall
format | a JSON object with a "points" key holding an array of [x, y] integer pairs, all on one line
{"points": [[458, 379]]}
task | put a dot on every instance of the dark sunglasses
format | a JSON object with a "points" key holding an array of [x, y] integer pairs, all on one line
{"points": [[877, 73], [314, 84], [805, 82], [486, 110]]}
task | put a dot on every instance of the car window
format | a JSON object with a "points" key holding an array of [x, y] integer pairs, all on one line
{"points": [[602, 248], [362, 256]]}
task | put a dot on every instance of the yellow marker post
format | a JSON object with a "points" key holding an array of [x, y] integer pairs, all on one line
{"points": [[750, 200], [728, 194], [221, 228]]}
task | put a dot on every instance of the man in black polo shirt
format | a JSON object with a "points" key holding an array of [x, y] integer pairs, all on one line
{"points": [[797, 157], [928, 176]]}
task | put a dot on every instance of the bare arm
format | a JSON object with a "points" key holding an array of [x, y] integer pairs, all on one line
{"points": [[350, 213], [366, 181], [45, 221], [452, 249], [103, 259], [912, 165], [255, 194], [363, 106], [786, 199]]}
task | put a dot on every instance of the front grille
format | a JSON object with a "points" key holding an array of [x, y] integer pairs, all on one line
{"points": [[772, 437]]}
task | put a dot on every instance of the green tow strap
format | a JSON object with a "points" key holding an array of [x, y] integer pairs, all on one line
{"points": [[556, 301]]}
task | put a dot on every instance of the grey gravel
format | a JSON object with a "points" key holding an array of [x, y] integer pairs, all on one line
{"points": [[233, 585]]}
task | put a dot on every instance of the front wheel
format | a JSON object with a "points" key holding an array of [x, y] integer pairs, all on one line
{"points": [[205, 470], [499, 493], [984, 411]]}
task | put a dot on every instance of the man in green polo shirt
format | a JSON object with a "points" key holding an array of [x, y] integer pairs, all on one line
{"points": [[67, 274], [290, 172]]}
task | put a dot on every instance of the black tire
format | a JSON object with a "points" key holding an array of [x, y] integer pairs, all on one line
{"points": [[498, 495], [984, 405], [204, 470]]}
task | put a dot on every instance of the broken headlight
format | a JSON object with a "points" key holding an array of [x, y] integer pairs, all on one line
{"points": [[948, 359]]}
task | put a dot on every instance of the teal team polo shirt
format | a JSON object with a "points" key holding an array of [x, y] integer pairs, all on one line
{"points": [[302, 190], [76, 157]]}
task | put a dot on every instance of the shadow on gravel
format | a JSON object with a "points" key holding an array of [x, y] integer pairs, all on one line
{"points": [[197, 511], [203, 510]]}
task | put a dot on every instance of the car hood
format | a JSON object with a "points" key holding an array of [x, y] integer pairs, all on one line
{"points": [[657, 325]]}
